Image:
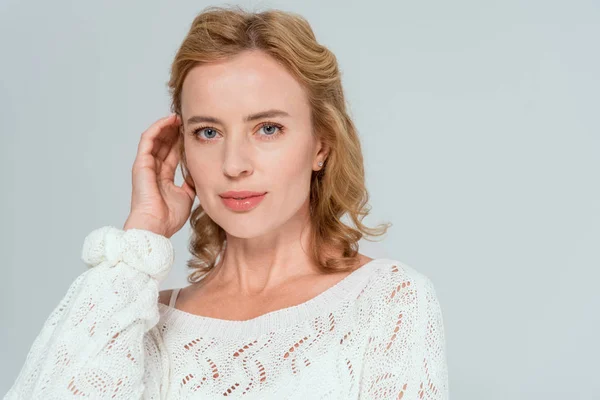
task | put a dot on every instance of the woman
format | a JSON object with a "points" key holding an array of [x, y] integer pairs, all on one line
{"points": [[281, 305]]}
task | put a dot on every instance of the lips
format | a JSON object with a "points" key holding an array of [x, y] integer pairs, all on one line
{"points": [[244, 204], [240, 195]]}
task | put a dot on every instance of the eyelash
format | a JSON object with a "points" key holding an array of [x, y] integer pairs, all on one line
{"points": [[195, 132]]}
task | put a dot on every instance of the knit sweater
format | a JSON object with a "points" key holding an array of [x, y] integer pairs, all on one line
{"points": [[376, 334]]}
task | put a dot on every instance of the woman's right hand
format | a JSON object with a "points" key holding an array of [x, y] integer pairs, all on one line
{"points": [[157, 204]]}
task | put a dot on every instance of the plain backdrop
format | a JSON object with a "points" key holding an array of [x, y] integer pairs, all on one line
{"points": [[480, 127]]}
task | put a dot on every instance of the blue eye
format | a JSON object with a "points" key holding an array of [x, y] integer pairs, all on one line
{"points": [[206, 129], [272, 132], [276, 128]]}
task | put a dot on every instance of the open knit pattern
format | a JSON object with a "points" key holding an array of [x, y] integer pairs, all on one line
{"points": [[376, 334]]}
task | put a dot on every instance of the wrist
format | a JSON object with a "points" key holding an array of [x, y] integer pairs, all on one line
{"points": [[140, 222]]}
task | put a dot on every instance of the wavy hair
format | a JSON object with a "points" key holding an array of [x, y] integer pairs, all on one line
{"points": [[338, 188]]}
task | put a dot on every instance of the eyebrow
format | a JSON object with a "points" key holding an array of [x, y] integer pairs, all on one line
{"points": [[249, 118]]}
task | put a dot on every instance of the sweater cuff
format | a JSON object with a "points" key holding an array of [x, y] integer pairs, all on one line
{"points": [[141, 249]]}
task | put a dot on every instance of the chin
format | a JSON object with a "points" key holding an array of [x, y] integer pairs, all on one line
{"points": [[245, 228]]}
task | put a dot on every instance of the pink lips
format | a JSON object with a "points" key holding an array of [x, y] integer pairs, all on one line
{"points": [[246, 200]]}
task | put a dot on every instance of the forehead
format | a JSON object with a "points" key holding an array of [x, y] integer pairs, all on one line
{"points": [[249, 82]]}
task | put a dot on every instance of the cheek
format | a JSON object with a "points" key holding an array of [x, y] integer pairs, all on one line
{"points": [[288, 171], [289, 179], [203, 173], [289, 164]]}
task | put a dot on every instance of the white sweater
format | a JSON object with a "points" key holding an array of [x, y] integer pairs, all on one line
{"points": [[377, 334]]}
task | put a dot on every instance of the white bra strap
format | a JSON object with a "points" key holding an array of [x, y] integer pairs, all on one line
{"points": [[174, 294]]}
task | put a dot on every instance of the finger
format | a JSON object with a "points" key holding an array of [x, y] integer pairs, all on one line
{"points": [[189, 190], [168, 140], [153, 148], [146, 144], [169, 153], [172, 158], [158, 125], [169, 165], [162, 148], [163, 142]]}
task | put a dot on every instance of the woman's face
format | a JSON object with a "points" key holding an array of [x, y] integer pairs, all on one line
{"points": [[225, 151]]}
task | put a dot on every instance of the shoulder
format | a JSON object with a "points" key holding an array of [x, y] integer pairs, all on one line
{"points": [[164, 296], [395, 274], [399, 286]]}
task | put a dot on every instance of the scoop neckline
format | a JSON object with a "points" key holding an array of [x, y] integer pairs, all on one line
{"points": [[273, 320]]}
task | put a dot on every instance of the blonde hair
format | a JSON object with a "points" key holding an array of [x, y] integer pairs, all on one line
{"points": [[338, 188]]}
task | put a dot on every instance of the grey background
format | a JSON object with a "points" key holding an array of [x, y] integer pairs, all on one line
{"points": [[480, 126]]}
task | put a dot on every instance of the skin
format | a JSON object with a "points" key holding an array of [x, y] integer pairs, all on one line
{"points": [[266, 265]]}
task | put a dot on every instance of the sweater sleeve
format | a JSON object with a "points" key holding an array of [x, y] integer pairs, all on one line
{"points": [[406, 353], [99, 341]]}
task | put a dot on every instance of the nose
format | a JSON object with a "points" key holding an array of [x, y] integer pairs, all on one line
{"points": [[237, 156]]}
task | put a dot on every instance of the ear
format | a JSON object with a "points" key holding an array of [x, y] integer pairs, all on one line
{"points": [[321, 154]]}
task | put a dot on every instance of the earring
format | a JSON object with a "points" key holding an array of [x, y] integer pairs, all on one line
{"points": [[320, 163]]}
